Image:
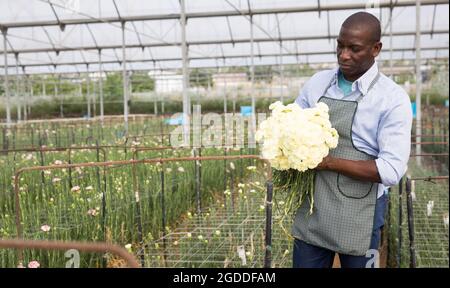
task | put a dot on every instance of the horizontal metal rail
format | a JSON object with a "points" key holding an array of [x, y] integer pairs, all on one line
{"points": [[229, 13], [62, 245]]}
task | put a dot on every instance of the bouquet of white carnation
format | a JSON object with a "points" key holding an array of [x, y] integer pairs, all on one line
{"points": [[295, 141]]}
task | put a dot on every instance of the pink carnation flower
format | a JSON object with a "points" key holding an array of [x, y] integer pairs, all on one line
{"points": [[45, 228], [34, 264]]}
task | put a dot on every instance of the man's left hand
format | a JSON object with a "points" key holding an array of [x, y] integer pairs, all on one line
{"points": [[364, 170], [325, 164]]}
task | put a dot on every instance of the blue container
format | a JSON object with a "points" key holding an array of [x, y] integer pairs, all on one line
{"points": [[175, 121], [246, 111], [414, 109], [446, 103]]}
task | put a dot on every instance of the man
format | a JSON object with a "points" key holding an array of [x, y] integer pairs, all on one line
{"points": [[373, 117]]}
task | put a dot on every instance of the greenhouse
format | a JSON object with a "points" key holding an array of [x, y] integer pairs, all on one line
{"points": [[149, 133]]}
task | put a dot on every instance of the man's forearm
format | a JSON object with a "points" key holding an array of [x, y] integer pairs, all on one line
{"points": [[359, 170]]}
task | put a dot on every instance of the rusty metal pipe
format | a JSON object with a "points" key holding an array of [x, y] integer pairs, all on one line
{"points": [[60, 245]]}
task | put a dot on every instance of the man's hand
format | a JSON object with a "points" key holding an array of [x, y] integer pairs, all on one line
{"points": [[357, 169], [324, 165]]}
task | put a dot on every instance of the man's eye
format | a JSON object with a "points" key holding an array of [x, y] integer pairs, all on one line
{"points": [[355, 49]]}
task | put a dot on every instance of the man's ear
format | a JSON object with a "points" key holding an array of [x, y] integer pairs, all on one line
{"points": [[376, 49]]}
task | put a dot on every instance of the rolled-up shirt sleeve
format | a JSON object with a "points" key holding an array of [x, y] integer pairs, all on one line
{"points": [[302, 99], [394, 140]]}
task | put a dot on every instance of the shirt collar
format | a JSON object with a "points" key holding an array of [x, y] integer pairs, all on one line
{"points": [[363, 82]]}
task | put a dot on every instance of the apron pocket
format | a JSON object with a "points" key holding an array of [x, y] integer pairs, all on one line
{"points": [[352, 188]]}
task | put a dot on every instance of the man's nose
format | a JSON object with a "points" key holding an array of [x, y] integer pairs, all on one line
{"points": [[345, 54]]}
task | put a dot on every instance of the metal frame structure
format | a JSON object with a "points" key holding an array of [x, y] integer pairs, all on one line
{"points": [[248, 13]]}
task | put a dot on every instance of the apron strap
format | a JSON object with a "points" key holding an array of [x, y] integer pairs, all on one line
{"points": [[360, 96], [370, 87]]}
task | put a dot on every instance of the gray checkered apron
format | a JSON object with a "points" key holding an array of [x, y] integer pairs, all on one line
{"points": [[344, 208]]}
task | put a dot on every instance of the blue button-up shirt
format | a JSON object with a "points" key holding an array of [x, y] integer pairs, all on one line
{"points": [[382, 123]]}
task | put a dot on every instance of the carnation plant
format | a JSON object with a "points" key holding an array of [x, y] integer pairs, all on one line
{"points": [[295, 141]]}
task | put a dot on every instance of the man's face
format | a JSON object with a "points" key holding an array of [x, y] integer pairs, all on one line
{"points": [[356, 51]]}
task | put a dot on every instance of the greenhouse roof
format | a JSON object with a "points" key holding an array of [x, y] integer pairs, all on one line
{"points": [[68, 36]]}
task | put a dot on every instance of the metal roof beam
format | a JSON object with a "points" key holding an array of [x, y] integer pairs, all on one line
{"points": [[61, 25], [209, 57], [117, 10], [230, 30], [252, 23], [137, 36], [208, 42], [432, 22], [207, 14], [328, 27], [319, 9], [93, 38], [241, 64], [443, 59]]}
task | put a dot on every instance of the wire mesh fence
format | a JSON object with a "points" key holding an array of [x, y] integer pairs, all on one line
{"points": [[82, 132], [185, 214], [119, 204], [230, 233], [418, 220]]}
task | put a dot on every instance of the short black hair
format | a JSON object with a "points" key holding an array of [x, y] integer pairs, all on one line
{"points": [[369, 21]]}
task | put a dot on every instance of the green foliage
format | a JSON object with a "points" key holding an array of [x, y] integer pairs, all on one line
{"points": [[429, 96], [301, 70], [200, 78], [142, 82], [113, 87], [439, 79], [403, 78], [73, 107], [263, 73], [89, 204], [65, 87]]}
